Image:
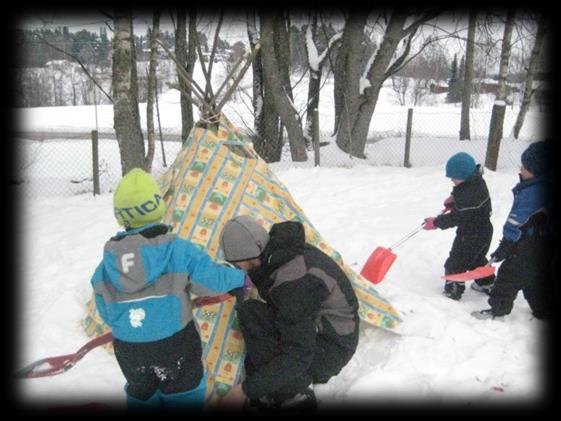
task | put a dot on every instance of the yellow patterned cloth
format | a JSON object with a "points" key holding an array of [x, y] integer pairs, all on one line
{"points": [[216, 176]]}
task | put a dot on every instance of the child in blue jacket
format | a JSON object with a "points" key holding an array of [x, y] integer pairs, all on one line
{"points": [[142, 290], [525, 249]]}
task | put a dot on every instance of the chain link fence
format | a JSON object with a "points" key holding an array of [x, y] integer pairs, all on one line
{"points": [[55, 164]]}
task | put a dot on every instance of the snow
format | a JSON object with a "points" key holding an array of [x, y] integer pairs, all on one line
{"points": [[440, 353]]}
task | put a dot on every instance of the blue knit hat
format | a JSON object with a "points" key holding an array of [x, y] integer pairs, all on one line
{"points": [[537, 158], [460, 166]]}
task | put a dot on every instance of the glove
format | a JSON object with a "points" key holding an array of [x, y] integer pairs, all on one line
{"points": [[429, 223], [242, 293], [247, 286], [505, 249], [449, 202]]}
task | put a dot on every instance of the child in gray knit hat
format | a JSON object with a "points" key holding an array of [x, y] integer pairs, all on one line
{"points": [[304, 329]]}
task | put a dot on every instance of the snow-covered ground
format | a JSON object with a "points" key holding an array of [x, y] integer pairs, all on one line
{"points": [[441, 353]]}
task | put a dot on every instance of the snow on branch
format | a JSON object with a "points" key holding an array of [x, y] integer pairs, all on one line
{"points": [[314, 58]]}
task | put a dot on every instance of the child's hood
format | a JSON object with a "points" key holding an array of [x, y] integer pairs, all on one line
{"points": [[133, 262]]}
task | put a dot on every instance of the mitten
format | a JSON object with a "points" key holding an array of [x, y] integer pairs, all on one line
{"points": [[505, 249], [429, 223]]}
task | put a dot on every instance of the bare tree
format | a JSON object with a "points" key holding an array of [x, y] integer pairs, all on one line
{"points": [[468, 77], [153, 63], [274, 82], [356, 101], [266, 120], [532, 65], [499, 107], [126, 116], [400, 86], [315, 65], [82, 65], [186, 57]]}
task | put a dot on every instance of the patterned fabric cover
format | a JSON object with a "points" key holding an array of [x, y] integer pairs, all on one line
{"points": [[215, 177]]}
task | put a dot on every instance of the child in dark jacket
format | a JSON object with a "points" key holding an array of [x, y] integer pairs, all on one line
{"points": [[142, 291], [526, 249], [469, 209], [305, 328]]}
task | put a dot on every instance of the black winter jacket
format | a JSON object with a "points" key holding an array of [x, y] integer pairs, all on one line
{"points": [[311, 296], [472, 207]]}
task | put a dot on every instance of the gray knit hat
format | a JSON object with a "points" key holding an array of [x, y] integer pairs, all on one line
{"points": [[243, 239]]}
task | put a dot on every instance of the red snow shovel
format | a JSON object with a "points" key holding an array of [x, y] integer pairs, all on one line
{"points": [[382, 258], [52, 366], [470, 275], [56, 365]]}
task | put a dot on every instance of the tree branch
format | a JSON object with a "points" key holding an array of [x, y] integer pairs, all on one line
{"points": [[77, 60]]}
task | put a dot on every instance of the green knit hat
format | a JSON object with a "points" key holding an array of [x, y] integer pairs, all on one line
{"points": [[138, 200]]}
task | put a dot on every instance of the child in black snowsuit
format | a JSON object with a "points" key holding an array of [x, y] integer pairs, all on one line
{"points": [[468, 209], [305, 328], [526, 248]]}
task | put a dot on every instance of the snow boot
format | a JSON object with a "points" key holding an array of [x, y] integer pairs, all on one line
{"points": [[486, 314], [193, 399], [486, 289], [454, 290], [304, 402], [152, 404]]}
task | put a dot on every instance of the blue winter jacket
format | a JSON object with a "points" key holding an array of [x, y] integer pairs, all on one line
{"points": [[530, 197], [142, 286]]}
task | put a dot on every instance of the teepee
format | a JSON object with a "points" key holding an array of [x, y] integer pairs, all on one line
{"points": [[216, 176]]}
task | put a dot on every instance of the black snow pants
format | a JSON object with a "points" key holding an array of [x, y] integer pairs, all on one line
{"points": [[469, 250], [257, 322], [172, 365], [529, 269]]}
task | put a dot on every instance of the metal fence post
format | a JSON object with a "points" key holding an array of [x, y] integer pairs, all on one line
{"points": [[95, 162], [406, 161], [315, 137]]}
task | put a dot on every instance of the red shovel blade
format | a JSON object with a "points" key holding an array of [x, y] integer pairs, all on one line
{"points": [[470, 275], [378, 264], [56, 365]]}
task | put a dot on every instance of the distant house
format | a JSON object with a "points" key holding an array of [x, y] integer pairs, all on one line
{"points": [[490, 86], [438, 87]]}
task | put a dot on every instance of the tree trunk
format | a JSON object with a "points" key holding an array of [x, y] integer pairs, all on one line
{"points": [[266, 120], [314, 83], [468, 78], [282, 51], [347, 80], [355, 121], [499, 107], [532, 65], [273, 83], [153, 63], [126, 116], [187, 64]]}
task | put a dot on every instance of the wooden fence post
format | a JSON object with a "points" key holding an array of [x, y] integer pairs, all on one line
{"points": [[95, 162], [406, 160], [315, 137]]}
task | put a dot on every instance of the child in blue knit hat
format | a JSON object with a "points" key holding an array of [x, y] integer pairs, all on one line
{"points": [[526, 249], [143, 291], [469, 209]]}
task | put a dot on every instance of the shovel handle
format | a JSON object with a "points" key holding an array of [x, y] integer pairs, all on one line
{"points": [[407, 237]]}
